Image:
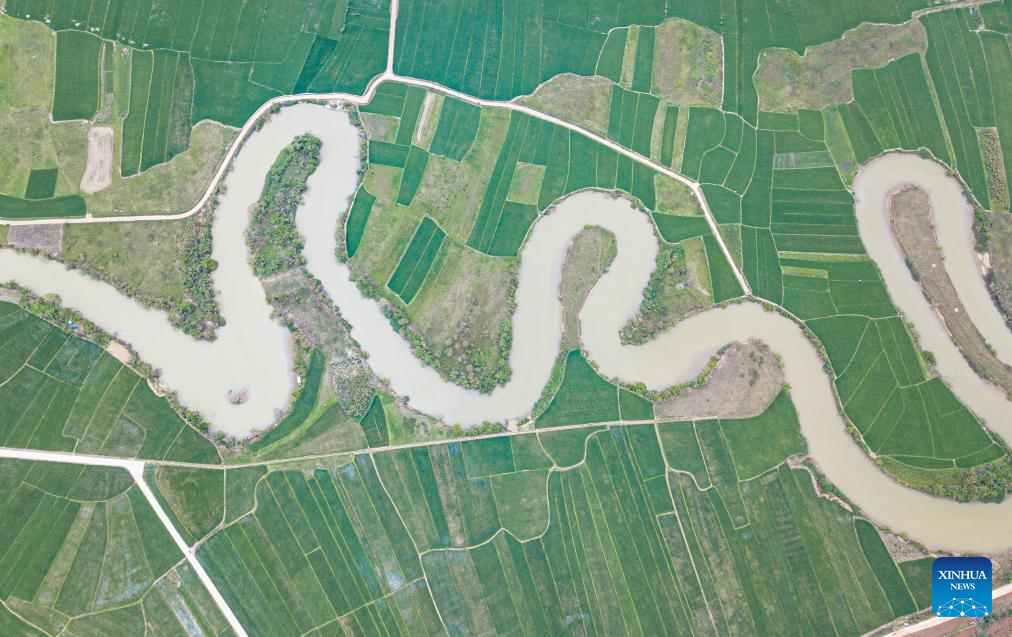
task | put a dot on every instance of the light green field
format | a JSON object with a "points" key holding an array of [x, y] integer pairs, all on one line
{"points": [[87, 555], [452, 520]]}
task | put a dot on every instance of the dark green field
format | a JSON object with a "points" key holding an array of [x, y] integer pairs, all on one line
{"points": [[595, 529], [84, 553], [62, 393]]}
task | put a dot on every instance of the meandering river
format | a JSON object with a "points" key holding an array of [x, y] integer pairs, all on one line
{"points": [[252, 351]]}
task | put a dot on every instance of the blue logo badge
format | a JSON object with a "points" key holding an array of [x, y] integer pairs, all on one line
{"points": [[961, 587]]}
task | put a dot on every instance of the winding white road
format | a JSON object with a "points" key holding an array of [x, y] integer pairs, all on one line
{"points": [[672, 357], [136, 470]]}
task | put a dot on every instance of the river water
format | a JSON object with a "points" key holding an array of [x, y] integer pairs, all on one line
{"points": [[252, 350]]}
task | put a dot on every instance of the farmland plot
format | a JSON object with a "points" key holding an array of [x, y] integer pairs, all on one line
{"points": [[64, 393], [800, 248], [436, 230], [635, 529], [190, 62], [86, 553]]}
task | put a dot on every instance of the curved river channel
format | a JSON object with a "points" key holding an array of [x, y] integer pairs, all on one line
{"points": [[252, 353]]}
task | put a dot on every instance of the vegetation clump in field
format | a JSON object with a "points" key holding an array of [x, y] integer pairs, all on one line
{"points": [[994, 165], [274, 241]]}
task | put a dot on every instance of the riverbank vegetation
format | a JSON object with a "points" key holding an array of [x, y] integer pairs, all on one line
{"points": [[274, 242], [63, 393], [910, 215], [755, 510], [678, 287]]}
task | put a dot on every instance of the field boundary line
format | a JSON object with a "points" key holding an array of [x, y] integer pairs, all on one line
{"points": [[388, 75], [136, 470]]}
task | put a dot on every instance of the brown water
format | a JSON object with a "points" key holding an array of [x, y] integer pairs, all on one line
{"points": [[257, 354]]}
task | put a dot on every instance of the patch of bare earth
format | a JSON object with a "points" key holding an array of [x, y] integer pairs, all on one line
{"points": [[98, 170], [589, 256], [901, 550], [910, 215], [787, 81], [424, 117], [743, 384], [119, 352], [47, 238]]}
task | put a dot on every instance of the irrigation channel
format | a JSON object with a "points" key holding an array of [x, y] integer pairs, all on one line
{"points": [[252, 351]]}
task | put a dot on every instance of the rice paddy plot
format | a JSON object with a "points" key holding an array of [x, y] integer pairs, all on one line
{"points": [[723, 283], [193, 498], [63, 393], [86, 553], [414, 265], [893, 109], [357, 219], [221, 61], [306, 401], [631, 118], [319, 536], [403, 539], [158, 125], [959, 72], [456, 129], [75, 95], [41, 183], [18, 208], [586, 397], [675, 228]]}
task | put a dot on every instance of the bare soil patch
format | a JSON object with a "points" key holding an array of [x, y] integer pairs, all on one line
{"points": [[47, 238], [98, 170], [743, 384], [786, 81], [589, 256], [910, 215], [424, 117], [119, 352]]}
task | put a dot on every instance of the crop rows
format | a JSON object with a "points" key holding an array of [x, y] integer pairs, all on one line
{"points": [[85, 553], [960, 75], [158, 126], [63, 393], [75, 95], [416, 261], [671, 528], [886, 394], [893, 109], [194, 60], [586, 397]]}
